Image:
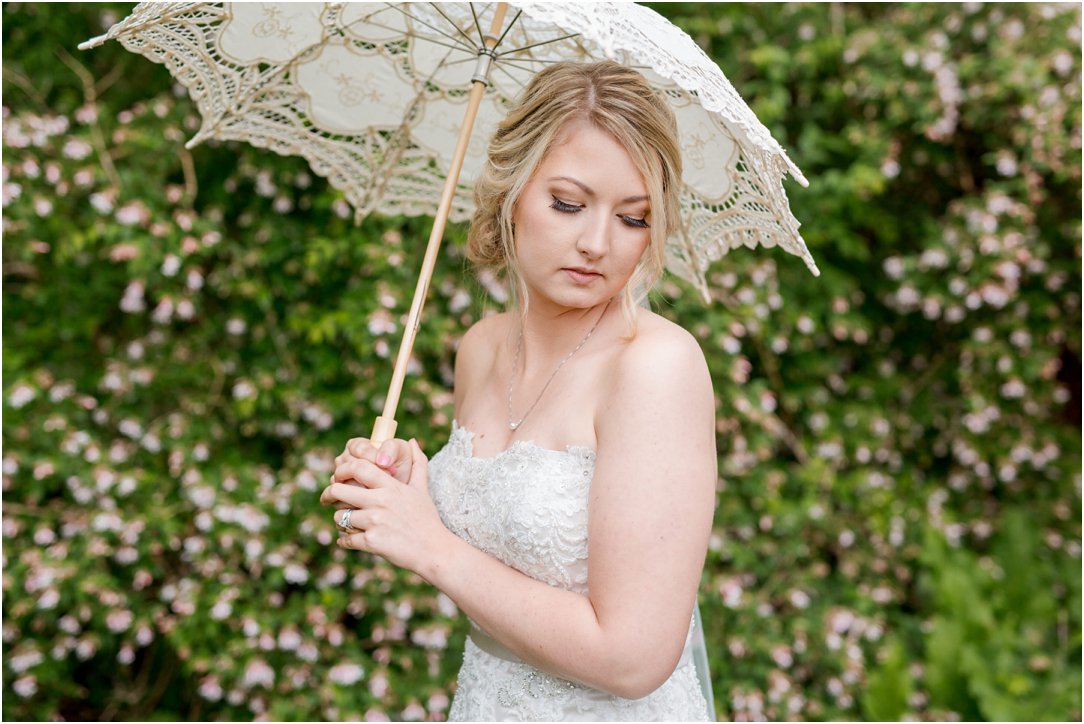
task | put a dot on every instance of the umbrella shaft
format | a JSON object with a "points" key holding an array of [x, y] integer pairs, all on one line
{"points": [[384, 428]]}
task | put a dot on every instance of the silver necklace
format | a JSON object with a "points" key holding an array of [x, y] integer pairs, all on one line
{"points": [[514, 424]]}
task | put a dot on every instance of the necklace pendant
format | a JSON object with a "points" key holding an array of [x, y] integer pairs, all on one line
{"points": [[513, 425]]}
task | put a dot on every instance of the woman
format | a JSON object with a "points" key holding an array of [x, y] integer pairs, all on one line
{"points": [[579, 417]]}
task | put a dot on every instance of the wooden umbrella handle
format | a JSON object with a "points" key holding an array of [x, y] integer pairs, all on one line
{"points": [[384, 427]]}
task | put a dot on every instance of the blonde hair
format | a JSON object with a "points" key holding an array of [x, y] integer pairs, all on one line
{"points": [[613, 98]]}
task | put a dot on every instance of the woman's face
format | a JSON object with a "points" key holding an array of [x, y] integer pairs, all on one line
{"points": [[582, 221]]}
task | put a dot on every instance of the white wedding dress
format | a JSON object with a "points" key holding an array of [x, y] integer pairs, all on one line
{"points": [[527, 506]]}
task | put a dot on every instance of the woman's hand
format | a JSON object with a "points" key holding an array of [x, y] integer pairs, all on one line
{"points": [[395, 520], [394, 456]]}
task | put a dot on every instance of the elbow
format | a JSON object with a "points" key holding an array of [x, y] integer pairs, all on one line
{"points": [[632, 689], [635, 675], [637, 685]]}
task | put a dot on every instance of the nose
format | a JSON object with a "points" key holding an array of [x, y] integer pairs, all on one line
{"points": [[594, 238]]}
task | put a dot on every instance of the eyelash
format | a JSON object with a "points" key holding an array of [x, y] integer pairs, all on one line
{"points": [[567, 208]]}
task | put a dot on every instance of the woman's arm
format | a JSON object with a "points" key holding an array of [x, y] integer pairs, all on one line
{"points": [[650, 515]]}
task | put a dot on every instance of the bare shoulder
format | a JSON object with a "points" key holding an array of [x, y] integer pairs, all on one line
{"points": [[477, 350], [659, 387], [663, 358], [482, 337]]}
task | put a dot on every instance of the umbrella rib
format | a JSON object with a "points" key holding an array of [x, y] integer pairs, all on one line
{"points": [[514, 79], [544, 42], [506, 30], [477, 26], [414, 34], [457, 28], [459, 43]]}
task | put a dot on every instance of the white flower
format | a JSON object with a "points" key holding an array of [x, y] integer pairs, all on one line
{"points": [[346, 674], [296, 573], [132, 301], [258, 673], [170, 265], [1013, 389], [731, 591], [130, 428], [782, 656], [132, 214], [210, 689], [289, 639], [119, 621], [907, 296], [26, 686], [77, 148], [413, 712], [243, 390], [21, 395], [163, 312], [25, 661]]}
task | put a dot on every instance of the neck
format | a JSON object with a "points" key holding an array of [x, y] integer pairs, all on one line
{"points": [[549, 335]]}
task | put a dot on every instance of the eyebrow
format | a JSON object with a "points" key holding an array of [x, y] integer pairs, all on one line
{"points": [[590, 192]]}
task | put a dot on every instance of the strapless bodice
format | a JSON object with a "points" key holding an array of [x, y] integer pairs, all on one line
{"points": [[526, 506]]}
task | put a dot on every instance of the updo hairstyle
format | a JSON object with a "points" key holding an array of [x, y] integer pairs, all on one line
{"points": [[615, 99]]}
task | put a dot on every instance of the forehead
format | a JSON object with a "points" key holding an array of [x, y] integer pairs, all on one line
{"points": [[593, 156]]}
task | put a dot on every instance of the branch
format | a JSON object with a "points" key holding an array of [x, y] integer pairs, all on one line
{"points": [[96, 134], [188, 166], [27, 87]]}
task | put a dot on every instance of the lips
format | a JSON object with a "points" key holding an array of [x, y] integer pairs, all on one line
{"points": [[582, 275]]}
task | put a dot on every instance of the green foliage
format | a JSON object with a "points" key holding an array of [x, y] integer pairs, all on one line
{"points": [[190, 337], [995, 618]]}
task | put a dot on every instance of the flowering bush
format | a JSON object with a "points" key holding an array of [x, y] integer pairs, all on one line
{"points": [[189, 338]]}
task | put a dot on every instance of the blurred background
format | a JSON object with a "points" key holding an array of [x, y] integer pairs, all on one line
{"points": [[189, 337]]}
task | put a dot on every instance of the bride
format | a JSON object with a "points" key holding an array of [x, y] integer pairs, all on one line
{"points": [[568, 516]]}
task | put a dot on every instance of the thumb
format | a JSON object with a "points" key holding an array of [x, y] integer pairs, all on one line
{"points": [[419, 472]]}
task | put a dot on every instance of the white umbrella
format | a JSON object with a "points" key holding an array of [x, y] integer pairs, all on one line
{"points": [[382, 99]]}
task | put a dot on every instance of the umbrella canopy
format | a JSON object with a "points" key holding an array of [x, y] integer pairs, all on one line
{"points": [[383, 100], [373, 96]]}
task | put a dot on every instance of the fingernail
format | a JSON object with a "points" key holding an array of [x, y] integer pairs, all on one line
{"points": [[383, 460]]}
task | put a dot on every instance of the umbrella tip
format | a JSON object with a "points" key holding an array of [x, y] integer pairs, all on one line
{"points": [[93, 42]]}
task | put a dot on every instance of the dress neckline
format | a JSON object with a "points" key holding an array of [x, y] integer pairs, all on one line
{"points": [[467, 437]]}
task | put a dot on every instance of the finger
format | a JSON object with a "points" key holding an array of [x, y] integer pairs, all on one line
{"points": [[419, 470], [361, 447], [353, 541], [364, 472], [360, 519], [394, 455], [352, 496], [346, 522], [356, 447]]}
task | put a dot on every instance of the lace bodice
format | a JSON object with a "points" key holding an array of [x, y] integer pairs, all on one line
{"points": [[527, 507]]}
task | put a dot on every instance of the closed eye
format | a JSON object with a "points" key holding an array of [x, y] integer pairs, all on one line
{"points": [[633, 221], [565, 207]]}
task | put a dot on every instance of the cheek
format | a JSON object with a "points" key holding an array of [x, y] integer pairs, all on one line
{"points": [[639, 250]]}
